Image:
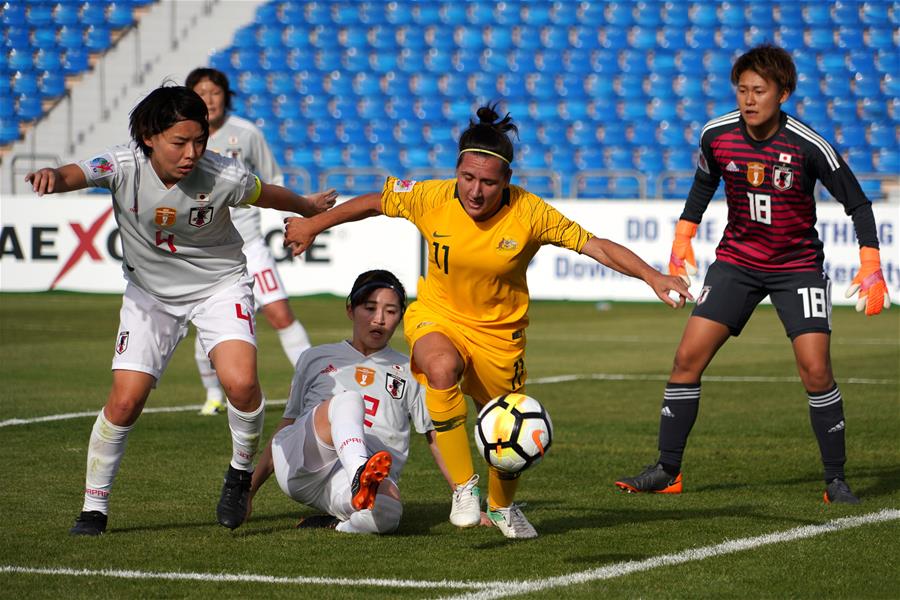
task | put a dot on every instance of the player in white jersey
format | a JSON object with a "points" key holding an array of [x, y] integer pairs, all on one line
{"points": [[238, 138], [344, 438], [183, 263]]}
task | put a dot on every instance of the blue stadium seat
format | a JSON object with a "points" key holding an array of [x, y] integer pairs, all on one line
{"points": [[880, 37], [20, 59], [703, 14], [7, 102], [44, 38], [48, 60], [497, 38], [9, 130], [97, 38], [674, 15], [843, 110], [891, 85], [75, 60], [613, 38], [13, 14], [679, 158], [887, 61], [562, 15], [817, 14], [30, 107], [663, 109], [437, 60], [821, 39], [874, 110], [731, 14], [25, 83], [859, 159], [700, 38], [788, 13], [837, 85], [93, 14], [39, 15], [850, 135], [425, 13], [381, 61], [883, 135], [121, 14], [886, 160], [275, 58], [642, 38], [671, 38], [866, 85], [849, 38], [52, 84], [875, 12], [846, 12]]}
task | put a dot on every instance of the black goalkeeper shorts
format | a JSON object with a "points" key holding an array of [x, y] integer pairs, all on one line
{"points": [[730, 294]]}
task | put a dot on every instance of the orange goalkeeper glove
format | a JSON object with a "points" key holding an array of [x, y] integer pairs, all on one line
{"points": [[869, 282], [682, 261]]}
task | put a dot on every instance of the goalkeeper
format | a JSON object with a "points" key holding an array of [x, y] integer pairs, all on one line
{"points": [[770, 163]]}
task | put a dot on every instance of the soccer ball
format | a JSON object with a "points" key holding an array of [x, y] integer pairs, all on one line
{"points": [[513, 432]]}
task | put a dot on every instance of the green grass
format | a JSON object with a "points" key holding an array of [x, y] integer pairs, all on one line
{"points": [[752, 468]]}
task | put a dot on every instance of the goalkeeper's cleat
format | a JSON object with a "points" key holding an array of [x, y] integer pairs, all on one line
{"points": [[90, 522], [652, 479], [318, 522], [212, 407], [838, 492], [369, 476], [869, 282], [232, 508], [682, 262], [465, 509], [511, 522]]}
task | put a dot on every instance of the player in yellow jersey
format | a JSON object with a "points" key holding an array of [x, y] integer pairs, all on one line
{"points": [[466, 330]]}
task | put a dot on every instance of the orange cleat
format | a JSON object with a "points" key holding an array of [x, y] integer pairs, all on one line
{"points": [[367, 479]]}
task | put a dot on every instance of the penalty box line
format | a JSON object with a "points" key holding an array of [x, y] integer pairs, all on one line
{"points": [[516, 588], [537, 381], [491, 590]]}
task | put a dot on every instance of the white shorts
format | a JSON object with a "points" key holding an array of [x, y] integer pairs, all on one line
{"points": [[150, 330], [268, 287], [308, 470]]}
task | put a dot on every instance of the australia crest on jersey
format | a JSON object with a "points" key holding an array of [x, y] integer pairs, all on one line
{"points": [[364, 376], [756, 173], [395, 386], [782, 177], [201, 216]]}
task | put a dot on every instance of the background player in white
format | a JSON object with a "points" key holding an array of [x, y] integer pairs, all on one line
{"points": [[344, 438], [234, 137], [183, 263]]}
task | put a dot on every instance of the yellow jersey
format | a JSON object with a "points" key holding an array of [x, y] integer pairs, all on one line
{"points": [[477, 270]]}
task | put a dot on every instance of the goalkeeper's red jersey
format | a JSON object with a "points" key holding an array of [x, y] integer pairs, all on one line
{"points": [[769, 188]]}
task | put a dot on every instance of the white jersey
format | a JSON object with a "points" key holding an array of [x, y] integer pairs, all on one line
{"points": [[392, 396], [178, 243], [242, 140]]}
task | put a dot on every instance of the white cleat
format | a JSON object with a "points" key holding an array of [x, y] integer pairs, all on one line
{"points": [[512, 522], [466, 508]]}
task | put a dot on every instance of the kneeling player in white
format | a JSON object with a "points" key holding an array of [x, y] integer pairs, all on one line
{"points": [[344, 438]]}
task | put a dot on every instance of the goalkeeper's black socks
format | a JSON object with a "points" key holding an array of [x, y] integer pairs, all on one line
{"points": [[681, 402], [826, 415]]}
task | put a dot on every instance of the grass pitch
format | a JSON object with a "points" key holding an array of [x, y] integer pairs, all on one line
{"points": [[751, 468]]}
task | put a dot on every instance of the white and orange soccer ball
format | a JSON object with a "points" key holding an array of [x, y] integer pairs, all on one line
{"points": [[513, 432]]}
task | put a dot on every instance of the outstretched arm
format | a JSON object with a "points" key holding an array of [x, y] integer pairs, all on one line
{"points": [[264, 467], [625, 261], [280, 198], [299, 234], [48, 180]]}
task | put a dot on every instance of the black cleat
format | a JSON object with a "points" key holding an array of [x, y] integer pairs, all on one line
{"points": [[232, 508], [838, 492], [318, 522], [652, 479], [91, 522]]}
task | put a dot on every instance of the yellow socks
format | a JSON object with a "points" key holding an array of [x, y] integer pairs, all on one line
{"points": [[448, 413], [501, 489]]}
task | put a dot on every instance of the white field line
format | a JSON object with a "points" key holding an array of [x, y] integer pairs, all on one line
{"points": [[536, 381], [516, 588], [248, 578], [489, 590]]}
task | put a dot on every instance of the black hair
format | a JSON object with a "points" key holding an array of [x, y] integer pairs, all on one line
{"points": [[489, 134], [769, 62], [161, 109], [214, 75], [373, 280]]}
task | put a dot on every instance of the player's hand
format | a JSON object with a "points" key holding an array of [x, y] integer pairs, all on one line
{"points": [[322, 201], [42, 181], [298, 235], [665, 285], [682, 262], [869, 282]]}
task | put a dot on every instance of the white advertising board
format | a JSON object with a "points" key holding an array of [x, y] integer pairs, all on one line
{"points": [[70, 242]]}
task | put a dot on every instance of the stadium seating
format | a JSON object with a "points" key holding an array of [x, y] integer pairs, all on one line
{"points": [[46, 41], [592, 85]]}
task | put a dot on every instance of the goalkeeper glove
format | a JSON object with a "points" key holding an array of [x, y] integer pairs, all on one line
{"points": [[869, 282], [682, 261]]}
